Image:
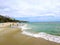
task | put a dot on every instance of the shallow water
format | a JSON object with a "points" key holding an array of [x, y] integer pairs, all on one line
{"points": [[47, 27]]}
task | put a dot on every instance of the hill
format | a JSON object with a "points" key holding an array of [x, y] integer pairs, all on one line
{"points": [[9, 19]]}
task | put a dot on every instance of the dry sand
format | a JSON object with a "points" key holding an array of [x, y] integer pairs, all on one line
{"points": [[13, 36]]}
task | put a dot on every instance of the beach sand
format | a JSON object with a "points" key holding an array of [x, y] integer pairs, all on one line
{"points": [[13, 36]]}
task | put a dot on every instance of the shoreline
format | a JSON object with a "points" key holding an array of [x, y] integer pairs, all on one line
{"points": [[43, 35]]}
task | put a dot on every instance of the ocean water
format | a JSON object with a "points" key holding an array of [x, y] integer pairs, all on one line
{"points": [[47, 27]]}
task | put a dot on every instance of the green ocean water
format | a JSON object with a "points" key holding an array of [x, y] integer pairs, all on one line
{"points": [[47, 27]]}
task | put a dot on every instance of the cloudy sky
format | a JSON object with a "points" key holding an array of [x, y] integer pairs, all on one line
{"points": [[31, 10]]}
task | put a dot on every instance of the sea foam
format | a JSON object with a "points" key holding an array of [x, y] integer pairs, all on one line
{"points": [[43, 35]]}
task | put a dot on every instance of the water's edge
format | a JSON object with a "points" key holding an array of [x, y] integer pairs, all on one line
{"points": [[44, 36]]}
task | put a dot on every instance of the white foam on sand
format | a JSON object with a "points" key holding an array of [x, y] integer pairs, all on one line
{"points": [[40, 35], [44, 36], [23, 26]]}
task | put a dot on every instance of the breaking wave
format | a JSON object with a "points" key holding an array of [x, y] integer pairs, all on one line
{"points": [[43, 35]]}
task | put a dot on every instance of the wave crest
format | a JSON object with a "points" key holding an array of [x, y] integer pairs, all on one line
{"points": [[40, 35], [44, 36]]}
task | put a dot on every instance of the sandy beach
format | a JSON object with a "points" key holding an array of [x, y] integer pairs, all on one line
{"points": [[13, 36]]}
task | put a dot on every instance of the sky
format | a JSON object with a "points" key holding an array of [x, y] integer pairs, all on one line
{"points": [[31, 10]]}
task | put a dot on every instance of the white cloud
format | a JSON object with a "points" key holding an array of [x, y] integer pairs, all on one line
{"points": [[25, 8]]}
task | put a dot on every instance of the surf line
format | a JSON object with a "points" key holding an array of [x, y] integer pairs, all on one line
{"points": [[44, 36]]}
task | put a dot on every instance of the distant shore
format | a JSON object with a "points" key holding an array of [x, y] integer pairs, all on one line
{"points": [[8, 24]]}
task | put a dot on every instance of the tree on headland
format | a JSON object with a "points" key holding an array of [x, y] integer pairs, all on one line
{"points": [[9, 19]]}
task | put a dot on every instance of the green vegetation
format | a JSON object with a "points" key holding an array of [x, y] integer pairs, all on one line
{"points": [[9, 19]]}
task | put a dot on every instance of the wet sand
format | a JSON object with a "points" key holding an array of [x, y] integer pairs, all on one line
{"points": [[13, 36]]}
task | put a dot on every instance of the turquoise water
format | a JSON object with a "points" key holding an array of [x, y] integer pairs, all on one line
{"points": [[47, 27]]}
